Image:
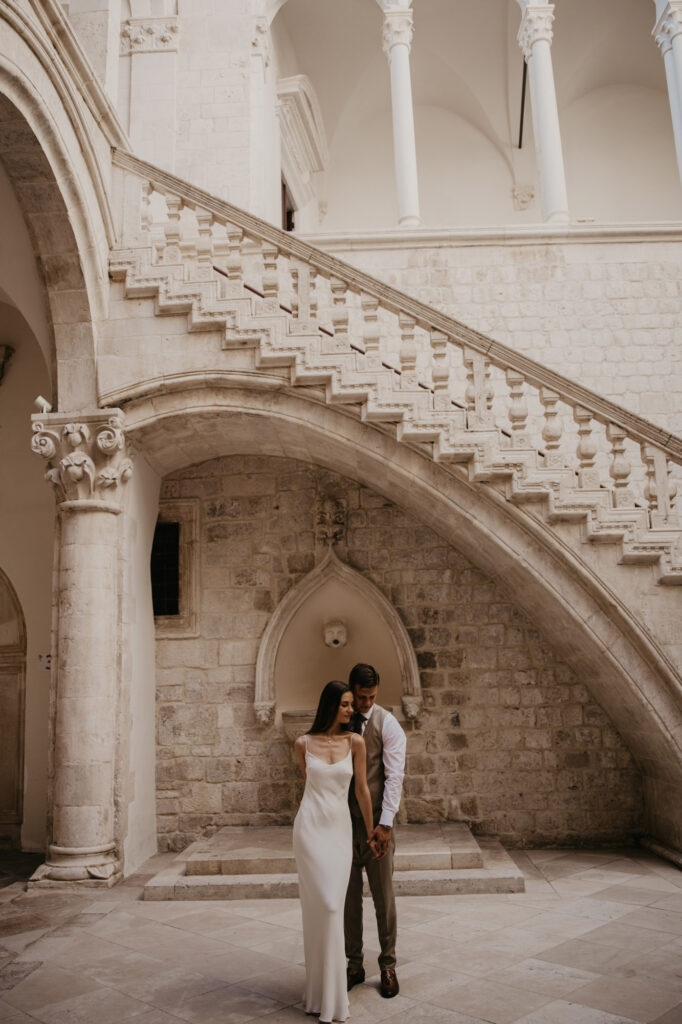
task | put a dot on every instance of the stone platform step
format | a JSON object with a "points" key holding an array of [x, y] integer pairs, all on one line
{"points": [[258, 863]]}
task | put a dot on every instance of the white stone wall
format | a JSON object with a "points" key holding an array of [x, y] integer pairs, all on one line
{"points": [[605, 312], [509, 740]]}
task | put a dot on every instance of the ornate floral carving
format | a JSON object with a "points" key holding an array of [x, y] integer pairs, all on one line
{"points": [[668, 25], [149, 35], [398, 29], [536, 24], [330, 519], [87, 459]]}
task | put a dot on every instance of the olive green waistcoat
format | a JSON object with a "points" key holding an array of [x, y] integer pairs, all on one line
{"points": [[374, 745]]}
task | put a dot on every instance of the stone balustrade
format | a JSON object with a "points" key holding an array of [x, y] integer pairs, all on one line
{"points": [[528, 430]]}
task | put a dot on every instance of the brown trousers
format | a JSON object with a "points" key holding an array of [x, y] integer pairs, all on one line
{"points": [[380, 878]]}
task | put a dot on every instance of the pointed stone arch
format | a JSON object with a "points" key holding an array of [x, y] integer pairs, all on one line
{"points": [[331, 568]]}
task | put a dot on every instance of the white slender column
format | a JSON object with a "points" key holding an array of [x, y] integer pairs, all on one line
{"points": [[88, 467], [668, 34], [535, 38], [397, 40]]}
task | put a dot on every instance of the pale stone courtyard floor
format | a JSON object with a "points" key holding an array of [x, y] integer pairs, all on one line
{"points": [[596, 939]]}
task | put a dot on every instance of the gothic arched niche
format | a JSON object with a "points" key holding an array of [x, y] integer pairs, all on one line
{"points": [[296, 659], [12, 671]]}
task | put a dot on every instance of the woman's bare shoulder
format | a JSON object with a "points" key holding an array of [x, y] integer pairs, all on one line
{"points": [[300, 741], [356, 741]]}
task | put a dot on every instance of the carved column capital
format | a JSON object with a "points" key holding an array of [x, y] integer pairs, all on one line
{"points": [[398, 30], [149, 35], [87, 457], [668, 25], [536, 24]]}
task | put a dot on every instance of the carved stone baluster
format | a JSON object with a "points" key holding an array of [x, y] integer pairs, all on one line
{"points": [[204, 245], [660, 489], [588, 475], [232, 261], [339, 290], [371, 332], [270, 278], [518, 408], [553, 428], [408, 353], [312, 292], [479, 393], [171, 252], [146, 189], [295, 291], [440, 370], [620, 466]]}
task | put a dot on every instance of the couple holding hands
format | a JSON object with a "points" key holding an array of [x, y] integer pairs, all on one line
{"points": [[339, 830]]}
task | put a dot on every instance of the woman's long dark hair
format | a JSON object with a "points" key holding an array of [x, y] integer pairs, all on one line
{"points": [[328, 706]]}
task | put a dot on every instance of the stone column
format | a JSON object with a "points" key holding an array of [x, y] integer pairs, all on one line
{"points": [[668, 34], [397, 39], [535, 37], [88, 466]]}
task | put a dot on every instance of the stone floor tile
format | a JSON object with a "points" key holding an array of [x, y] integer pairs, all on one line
{"points": [[421, 982], [367, 1006], [458, 927], [286, 985], [662, 965], [516, 942], [48, 985], [595, 908], [104, 1006], [539, 976], [289, 949], [101, 907], [233, 965], [654, 918], [561, 1012], [13, 971], [638, 895], [476, 959], [432, 1015], [226, 1005], [491, 1001], [207, 922], [673, 1016], [587, 956], [640, 940], [641, 1002], [671, 903], [252, 933]]}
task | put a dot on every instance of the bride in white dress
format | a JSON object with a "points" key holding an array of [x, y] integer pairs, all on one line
{"points": [[329, 756]]}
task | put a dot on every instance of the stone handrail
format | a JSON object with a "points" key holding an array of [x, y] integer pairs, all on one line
{"points": [[498, 354]]}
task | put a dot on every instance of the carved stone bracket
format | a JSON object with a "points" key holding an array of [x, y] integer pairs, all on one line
{"points": [[398, 30], [260, 42], [87, 456], [668, 25], [330, 519], [536, 24], [149, 35], [523, 196]]}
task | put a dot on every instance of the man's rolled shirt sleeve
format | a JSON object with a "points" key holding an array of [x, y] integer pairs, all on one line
{"points": [[395, 745]]}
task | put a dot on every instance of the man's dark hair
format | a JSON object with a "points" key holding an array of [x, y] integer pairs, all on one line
{"points": [[365, 677]]}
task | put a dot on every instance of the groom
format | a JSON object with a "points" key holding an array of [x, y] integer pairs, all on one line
{"points": [[385, 743]]}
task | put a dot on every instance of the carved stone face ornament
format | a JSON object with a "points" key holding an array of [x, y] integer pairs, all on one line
{"points": [[335, 633]]}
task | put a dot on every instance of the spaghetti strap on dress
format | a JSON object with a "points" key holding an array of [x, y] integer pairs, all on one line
{"points": [[323, 848]]}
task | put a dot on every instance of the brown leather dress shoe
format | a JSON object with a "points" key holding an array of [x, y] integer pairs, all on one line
{"points": [[354, 976], [389, 986]]}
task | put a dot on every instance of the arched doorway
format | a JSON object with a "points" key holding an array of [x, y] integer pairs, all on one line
{"points": [[12, 689]]}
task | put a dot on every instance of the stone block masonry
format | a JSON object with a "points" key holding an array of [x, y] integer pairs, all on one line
{"points": [[509, 739], [604, 311]]}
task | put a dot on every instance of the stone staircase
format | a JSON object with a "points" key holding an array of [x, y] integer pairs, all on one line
{"points": [[471, 404], [243, 862]]}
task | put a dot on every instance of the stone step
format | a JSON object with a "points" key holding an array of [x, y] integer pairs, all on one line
{"points": [[244, 863]]}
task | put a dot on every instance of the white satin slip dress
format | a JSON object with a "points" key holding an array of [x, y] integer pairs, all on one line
{"points": [[323, 848]]}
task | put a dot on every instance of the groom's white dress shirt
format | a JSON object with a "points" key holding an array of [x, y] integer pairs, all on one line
{"points": [[394, 746]]}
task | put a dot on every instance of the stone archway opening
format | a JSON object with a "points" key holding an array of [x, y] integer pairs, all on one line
{"points": [[12, 701]]}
